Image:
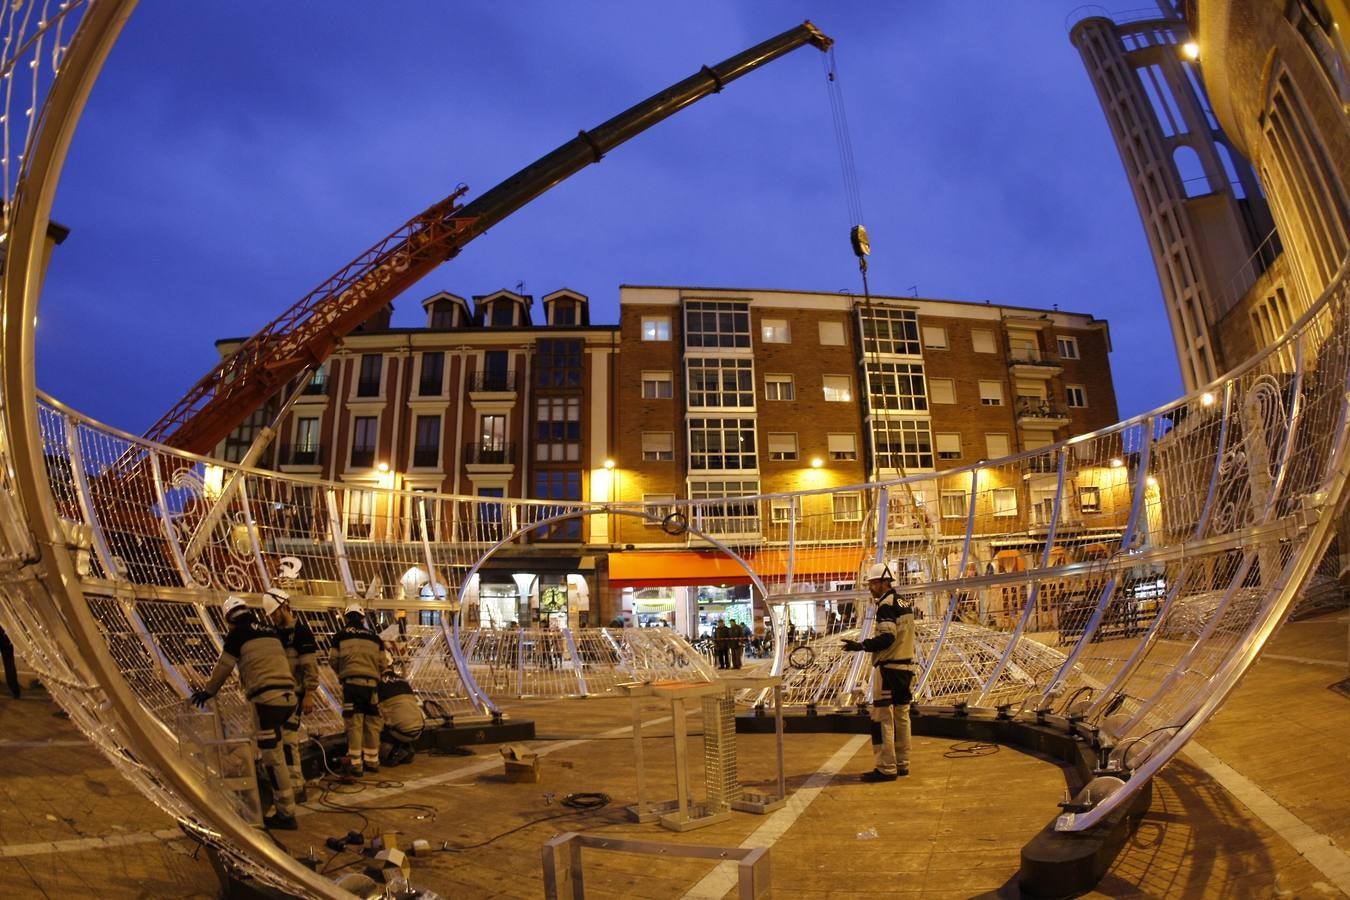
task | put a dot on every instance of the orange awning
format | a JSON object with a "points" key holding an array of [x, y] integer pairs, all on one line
{"points": [[674, 568]]}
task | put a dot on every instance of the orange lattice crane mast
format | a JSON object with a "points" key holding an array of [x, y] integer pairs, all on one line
{"points": [[305, 335]]}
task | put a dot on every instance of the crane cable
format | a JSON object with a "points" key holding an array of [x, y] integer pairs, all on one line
{"points": [[858, 237]]}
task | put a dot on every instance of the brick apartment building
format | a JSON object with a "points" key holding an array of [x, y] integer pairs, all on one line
{"points": [[697, 393]]}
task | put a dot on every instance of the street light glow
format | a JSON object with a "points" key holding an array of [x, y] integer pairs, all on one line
{"points": [[1191, 49]]}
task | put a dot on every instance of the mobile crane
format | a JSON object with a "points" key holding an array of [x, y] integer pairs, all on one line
{"points": [[302, 337]]}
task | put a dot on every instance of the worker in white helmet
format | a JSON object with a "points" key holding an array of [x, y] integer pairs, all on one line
{"points": [[357, 656], [302, 653], [265, 678], [893, 670]]}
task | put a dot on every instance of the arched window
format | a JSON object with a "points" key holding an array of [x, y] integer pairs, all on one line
{"points": [[1193, 179]]}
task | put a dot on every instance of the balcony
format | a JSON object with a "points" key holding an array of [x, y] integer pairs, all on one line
{"points": [[480, 454], [368, 387], [1033, 411], [300, 455], [426, 457], [1030, 362], [501, 382]]}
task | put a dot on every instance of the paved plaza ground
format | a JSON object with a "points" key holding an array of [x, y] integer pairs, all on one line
{"points": [[1259, 808]]}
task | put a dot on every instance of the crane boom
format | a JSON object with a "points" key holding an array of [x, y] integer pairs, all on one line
{"points": [[307, 333]]}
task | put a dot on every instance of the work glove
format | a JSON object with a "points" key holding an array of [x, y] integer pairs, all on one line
{"points": [[199, 698], [852, 645], [307, 704]]}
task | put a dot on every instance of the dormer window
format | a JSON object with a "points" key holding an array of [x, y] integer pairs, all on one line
{"points": [[503, 313], [564, 313], [443, 316]]}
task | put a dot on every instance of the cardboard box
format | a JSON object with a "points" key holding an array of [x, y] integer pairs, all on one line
{"points": [[522, 764]]}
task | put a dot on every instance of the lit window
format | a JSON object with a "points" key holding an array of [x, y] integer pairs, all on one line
{"points": [[847, 506], [779, 387], [954, 505], [1068, 347], [838, 389], [659, 506], [991, 393], [656, 385], [655, 328], [774, 331], [1005, 501], [781, 511], [1075, 396], [1089, 500]]}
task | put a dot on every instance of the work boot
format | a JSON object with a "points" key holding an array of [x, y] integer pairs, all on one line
{"points": [[279, 821], [877, 775], [302, 796], [350, 769]]}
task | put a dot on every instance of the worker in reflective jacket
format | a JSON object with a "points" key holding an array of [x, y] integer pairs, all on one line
{"points": [[403, 719], [357, 656], [265, 678], [302, 653], [892, 649]]}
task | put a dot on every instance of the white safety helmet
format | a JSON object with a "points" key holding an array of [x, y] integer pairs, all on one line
{"points": [[879, 571], [233, 607], [274, 599], [354, 609]]}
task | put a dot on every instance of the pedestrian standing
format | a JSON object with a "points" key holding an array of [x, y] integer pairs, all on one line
{"points": [[357, 656], [722, 644], [737, 644], [255, 648], [302, 653], [892, 650]]}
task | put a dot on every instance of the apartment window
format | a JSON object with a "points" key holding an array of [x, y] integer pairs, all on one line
{"points": [[991, 393], [896, 386], [716, 382], [712, 324], [1068, 347], [319, 383], [659, 506], [893, 331], [360, 514], [656, 385], [496, 371], [442, 316], [1075, 396], [996, 446], [954, 505], [432, 377], [503, 313], [558, 484], [557, 424], [982, 341], [842, 446], [306, 450], [781, 511], [427, 441], [488, 516], [831, 334], [782, 446], [365, 433], [423, 503], [722, 444], [903, 444], [559, 364], [774, 331], [935, 337], [658, 445], [838, 389], [656, 328], [728, 516], [368, 381], [564, 313], [779, 387], [1089, 500], [1005, 501], [948, 445], [941, 390], [847, 506]]}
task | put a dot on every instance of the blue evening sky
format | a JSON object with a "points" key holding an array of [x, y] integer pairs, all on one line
{"points": [[236, 154]]}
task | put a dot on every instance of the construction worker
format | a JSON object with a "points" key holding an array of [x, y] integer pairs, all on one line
{"points": [[357, 656], [265, 678], [403, 719], [892, 649], [302, 654]]}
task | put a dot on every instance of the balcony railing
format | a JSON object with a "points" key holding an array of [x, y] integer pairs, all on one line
{"points": [[362, 459], [1037, 408], [426, 456], [493, 382], [300, 455], [368, 387], [489, 454]]}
